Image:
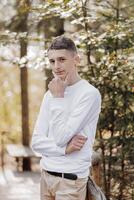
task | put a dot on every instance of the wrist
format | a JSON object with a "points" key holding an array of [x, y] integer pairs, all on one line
{"points": [[67, 150], [60, 95]]}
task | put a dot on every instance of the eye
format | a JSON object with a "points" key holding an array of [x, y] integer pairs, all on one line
{"points": [[62, 59], [51, 61]]}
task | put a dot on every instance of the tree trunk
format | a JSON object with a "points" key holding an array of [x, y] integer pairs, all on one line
{"points": [[26, 165]]}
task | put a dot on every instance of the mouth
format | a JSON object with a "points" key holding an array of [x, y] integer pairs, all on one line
{"points": [[59, 73]]}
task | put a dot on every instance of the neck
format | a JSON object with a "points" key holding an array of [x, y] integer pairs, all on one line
{"points": [[74, 79]]}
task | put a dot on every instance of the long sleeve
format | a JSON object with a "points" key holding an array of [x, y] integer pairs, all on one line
{"points": [[84, 111], [41, 143]]}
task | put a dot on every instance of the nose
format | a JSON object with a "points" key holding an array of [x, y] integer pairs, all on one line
{"points": [[56, 65]]}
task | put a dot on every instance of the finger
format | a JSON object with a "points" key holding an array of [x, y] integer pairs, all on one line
{"points": [[80, 142], [78, 147], [55, 76], [52, 81], [49, 84], [81, 137]]}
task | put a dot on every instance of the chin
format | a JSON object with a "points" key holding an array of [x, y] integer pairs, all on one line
{"points": [[61, 77]]}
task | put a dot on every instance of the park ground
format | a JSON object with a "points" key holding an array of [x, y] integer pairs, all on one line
{"points": [[18, 185]]}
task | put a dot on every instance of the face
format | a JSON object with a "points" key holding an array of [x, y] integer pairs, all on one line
{"points": [[63, 62]]}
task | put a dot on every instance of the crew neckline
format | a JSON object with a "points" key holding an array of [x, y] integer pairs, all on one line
{"points": [[75, 84]]}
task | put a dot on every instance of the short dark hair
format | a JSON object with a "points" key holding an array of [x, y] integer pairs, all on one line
{"points": [[62, 42]]}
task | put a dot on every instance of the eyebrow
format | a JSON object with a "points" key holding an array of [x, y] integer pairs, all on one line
{"points": [[58, 58]]}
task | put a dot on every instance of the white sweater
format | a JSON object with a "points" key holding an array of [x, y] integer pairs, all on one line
{"points": [[59, 120]]}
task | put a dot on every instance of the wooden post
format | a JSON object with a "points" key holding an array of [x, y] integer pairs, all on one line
{"points": [[2, 149], [26, 163]]}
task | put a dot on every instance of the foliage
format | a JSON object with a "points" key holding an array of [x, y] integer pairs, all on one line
{"points": [[105, 36]]}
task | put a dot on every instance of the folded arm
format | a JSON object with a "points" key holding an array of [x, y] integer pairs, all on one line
{"points": [[41, 143], [65, 130]]}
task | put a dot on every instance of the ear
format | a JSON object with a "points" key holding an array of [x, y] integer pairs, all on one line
{"points": [[77, 60]]}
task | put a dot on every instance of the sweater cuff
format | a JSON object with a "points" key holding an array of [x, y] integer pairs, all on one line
{"points": [[62, 150]]}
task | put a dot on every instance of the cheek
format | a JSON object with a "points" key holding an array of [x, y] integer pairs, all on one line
{"points": [[69, 66]]}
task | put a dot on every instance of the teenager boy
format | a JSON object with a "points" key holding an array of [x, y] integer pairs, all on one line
{"points": [[65, 129]]}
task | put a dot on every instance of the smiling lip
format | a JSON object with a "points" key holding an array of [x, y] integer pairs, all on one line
{"points": [[58, 73]]}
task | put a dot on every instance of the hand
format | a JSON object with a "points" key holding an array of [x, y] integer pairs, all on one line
{"points": [[57, 86], [75, 144]]}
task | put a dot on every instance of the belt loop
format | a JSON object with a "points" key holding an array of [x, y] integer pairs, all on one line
{"points": [[62, 175]]}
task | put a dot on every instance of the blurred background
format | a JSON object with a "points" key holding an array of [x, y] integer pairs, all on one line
{"points": [[103, 31]]}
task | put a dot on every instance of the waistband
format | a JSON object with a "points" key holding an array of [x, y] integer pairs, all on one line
{"points": [[63, 175]]}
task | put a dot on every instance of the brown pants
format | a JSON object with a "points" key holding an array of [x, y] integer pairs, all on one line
{"points": [[57, 188]]}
